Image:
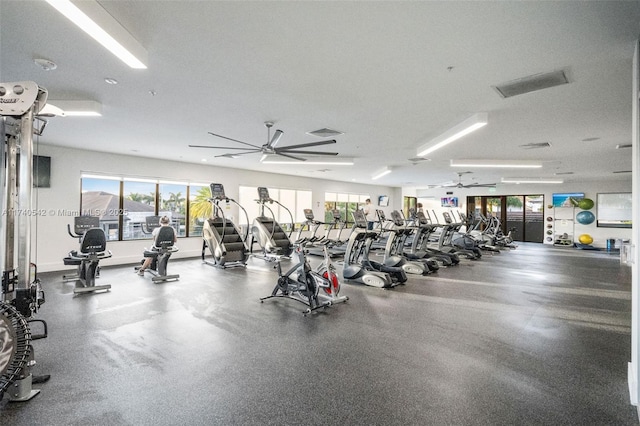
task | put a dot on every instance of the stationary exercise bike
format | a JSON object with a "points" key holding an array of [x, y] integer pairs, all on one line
{"points": [[161, 251], [93, 248], [303, 284]]}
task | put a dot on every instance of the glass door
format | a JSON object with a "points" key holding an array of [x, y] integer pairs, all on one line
{"points": [[534, 218], [515, 216]]}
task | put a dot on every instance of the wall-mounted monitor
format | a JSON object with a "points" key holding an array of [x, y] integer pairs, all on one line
{"points": [[614, 210], [449, 202], [383, 201], [564, 199], [40, 173]]}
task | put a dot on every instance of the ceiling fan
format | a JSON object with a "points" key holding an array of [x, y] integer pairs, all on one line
{"points": [[270, 147], [471, 185]]}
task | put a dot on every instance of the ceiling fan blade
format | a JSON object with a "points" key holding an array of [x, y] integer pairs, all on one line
{"points": [[275, 139], [222, 147], [293, 151], [233, 155], [284, 154], [480, 185], [234, 140], [305, 145]]}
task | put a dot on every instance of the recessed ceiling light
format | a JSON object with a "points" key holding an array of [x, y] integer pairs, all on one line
{"points": [[45, 64], [204, 160], [110, 80]]}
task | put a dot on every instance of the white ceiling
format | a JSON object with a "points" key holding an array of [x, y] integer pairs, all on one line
{"points": [[390, 75]]}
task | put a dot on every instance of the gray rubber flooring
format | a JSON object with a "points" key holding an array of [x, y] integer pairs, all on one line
{"points": [[533, 336]]}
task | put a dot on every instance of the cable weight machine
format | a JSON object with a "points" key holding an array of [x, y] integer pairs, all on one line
{"points": [[22, 295]]}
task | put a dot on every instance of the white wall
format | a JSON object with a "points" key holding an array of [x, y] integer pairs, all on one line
{"points": [[52, 242], [431, 197]]}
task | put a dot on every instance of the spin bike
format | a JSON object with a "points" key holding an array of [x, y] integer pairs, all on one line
{"points": [[303, 284], [93, 248]]}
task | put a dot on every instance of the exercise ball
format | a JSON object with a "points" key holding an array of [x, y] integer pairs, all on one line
{"points": [[586, 204], [585, 239], [585, 218]]}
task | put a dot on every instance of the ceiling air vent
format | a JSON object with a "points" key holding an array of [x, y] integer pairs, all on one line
{"points": [[563, 173], [532, 83], [325, 133], [623, 171], [535, 145], [623, 145]]}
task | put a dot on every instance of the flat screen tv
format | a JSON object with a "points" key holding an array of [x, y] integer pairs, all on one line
{"points": [[449, 202], [41, 171], [564, 199]]}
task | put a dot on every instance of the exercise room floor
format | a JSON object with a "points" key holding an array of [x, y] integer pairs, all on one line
{"points": [[536, 336]]}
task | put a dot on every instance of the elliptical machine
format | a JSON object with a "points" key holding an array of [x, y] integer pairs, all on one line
{"points": [[93, 248], [394, 248], [357, 265], [223, 238], [420, 243], [267, 232]]}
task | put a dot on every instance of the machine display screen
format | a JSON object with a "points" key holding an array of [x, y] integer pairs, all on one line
{"points": [[217, 191], [263, 194]]}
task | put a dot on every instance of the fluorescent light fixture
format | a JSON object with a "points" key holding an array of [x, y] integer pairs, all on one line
{"points": [[507, 164], [77, 108], [99, 24], [105, 177], [382, 172], [278, 159], [530, 180], [456, 132]]}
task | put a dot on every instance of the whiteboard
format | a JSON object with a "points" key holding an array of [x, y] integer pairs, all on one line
{"points": [[614, 210]]}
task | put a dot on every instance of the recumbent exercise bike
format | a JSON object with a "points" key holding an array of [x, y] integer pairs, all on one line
{"points": [[93, 248]]}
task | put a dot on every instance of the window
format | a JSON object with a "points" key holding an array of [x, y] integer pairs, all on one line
{"points": [[199, 207], [173, 203], [101, 197], [295, 200], [123, 204], [345, 203], [139, 202]]}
